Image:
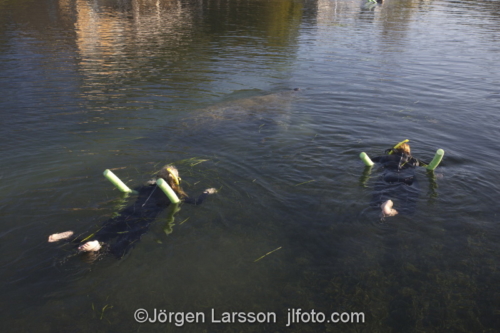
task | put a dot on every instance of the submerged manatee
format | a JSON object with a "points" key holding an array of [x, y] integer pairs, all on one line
{"points": [[271, 108]]}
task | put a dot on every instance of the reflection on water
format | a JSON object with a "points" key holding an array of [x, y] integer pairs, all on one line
{"points": [[108, 36], [132, 85]]}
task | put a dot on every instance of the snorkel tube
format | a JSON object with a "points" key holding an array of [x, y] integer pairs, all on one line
{"points": [[397, 146], [174, 176]]}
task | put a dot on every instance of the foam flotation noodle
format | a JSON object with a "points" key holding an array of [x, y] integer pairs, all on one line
{"points": [[364, 157], [436, 160], [167, 190], [116, 181]]}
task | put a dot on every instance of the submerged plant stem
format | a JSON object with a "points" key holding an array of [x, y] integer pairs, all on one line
{"points": [[268, 253], [312, 180]]}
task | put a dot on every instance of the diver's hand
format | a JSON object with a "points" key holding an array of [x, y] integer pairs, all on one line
{"points": [[210, 191]]}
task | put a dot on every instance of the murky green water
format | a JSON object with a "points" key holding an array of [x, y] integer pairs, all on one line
{"points": [[87, 85]]}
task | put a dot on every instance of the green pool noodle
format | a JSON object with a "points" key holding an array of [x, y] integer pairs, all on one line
{"points": [[364, 157], [116, 181], [167, 190], [436, 160]]}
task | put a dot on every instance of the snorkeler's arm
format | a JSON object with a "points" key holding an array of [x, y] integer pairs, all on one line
{"points": [[201, 198], [421, 163], [413, 162]]}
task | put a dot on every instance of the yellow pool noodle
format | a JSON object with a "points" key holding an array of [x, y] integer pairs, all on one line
{"points": [[364, 157], [116, 181], [436, 160], [167, 190]]}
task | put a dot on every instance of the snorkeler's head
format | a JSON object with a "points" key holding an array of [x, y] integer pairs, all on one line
{"points": [[404, 148], [170, 174]]}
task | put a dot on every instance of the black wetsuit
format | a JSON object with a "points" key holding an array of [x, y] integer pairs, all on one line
{"points": [[120, 233], [397, 183]]}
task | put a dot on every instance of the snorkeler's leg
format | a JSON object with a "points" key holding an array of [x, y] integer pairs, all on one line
{"points": [[387, 209], [60, 236], [111, 229], [90, 246]]}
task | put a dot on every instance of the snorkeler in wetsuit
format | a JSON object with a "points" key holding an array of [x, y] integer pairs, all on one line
{"points": [[119, 234], [398, 181]]}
